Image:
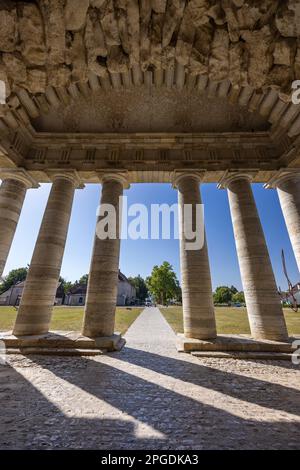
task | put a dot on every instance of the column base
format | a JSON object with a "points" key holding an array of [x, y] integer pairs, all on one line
{"points": [[233, 345], [65, 343]]}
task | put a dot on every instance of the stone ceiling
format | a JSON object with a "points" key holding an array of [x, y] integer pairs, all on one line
{"points": [[130, 66], [140, 110], [53, 43]]}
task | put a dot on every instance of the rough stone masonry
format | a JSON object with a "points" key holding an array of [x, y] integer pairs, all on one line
{"points": [[53, 43]]}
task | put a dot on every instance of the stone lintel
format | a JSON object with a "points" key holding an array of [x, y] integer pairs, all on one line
{"points": [[230, 176], [19, 174], [283, 174], [238, 343]]}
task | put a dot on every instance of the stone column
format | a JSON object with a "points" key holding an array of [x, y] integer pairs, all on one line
{"points": [[35, 310], [288, 189], [263, 302], [99, 315], [197, 299], [12, 194]]}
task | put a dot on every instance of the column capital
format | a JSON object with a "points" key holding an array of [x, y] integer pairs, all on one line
{"points": [[70, 175], [230, 176], [120, 176], [19, 174], [284, 174], [178, 175]]}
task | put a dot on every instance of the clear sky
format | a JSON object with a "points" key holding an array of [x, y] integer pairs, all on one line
{"points": [[139, 256]]}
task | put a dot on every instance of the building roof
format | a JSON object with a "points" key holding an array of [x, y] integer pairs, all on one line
{"points": [[80, 289], [59, 293]]}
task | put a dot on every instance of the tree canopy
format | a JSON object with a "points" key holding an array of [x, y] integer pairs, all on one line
{"points": [[163, 283], [238, 297], [14, 276], [84, 279], [140, 286], [226, 295], [222, 295]]}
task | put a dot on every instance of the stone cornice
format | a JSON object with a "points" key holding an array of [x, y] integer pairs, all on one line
{"points": [[144, 140]]}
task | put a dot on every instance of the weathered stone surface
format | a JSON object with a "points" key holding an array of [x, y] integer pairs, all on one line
{"points": [[75, 14], [36, 81], [297, 61], [8, 30], [219, 58], [15, 68], [146, 396], [284, 52], [53, 15], [258, 45], [59, 76], [288, 18], [34, 315], [238, 61], [32, 37], [12, 195], [250, 43]]}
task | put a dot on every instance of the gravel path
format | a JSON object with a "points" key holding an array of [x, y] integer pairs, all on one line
{"points": [[148, 396]]}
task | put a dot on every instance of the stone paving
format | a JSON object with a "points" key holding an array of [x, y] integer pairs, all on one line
{"points": [[148, 396]]}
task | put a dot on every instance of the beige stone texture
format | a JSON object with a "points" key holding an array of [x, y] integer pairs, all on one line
{"points": [[12, 195], [107, 36], [263, 302], [197, 299], [35, 310], [99, 315], [289, 196]]}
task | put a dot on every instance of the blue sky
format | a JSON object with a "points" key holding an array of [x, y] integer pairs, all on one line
{"points": [[139, 256]]}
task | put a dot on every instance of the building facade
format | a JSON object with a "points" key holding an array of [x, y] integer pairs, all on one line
{"points": [[13, 295], [126, 294]]}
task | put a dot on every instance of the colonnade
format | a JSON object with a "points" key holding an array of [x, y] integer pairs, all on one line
{"points": [[263, 303]]}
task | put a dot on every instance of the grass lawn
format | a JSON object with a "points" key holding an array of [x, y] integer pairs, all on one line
{"points": [[70, 318], [230, 320]]}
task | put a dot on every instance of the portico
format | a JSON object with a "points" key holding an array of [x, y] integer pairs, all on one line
{"points": [[172, 93]]}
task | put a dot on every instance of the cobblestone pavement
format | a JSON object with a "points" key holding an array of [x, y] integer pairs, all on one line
{"points": [[148, 396]]}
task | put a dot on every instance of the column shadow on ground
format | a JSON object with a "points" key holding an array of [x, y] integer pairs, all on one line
{"points": [[179, 418], [259, 392]]}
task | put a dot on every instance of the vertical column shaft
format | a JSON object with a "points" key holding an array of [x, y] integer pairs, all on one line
{"points": [[289, 196], [12, 195], [35, 310], [99, 317], [197, 299], [263, 303]]}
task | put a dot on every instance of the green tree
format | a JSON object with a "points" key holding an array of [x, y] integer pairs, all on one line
{"points": [[222, 295], [163, 283], [140, 286], [66, 285], [84, 279], [14, 276], [238, 297], [233, 290]]}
